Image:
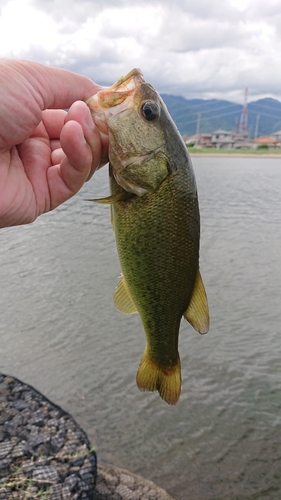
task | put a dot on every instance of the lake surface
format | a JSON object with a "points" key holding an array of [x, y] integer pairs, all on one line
{"points": [[60, 333]]}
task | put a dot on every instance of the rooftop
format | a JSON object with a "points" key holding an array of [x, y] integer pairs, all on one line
{"points": [[264, 140]]}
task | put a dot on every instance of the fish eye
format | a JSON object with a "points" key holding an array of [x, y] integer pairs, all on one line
{"points": [[150, 111]]}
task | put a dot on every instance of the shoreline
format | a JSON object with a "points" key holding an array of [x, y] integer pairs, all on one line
{"points": [[231, 155]]}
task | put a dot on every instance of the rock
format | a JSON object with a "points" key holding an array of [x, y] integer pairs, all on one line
{"points": [[42, 448], [5, 448], [44, 474], [114, 483]]}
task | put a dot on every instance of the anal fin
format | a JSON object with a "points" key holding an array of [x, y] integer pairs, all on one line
{"points": [[197, 313], [122, 298]]}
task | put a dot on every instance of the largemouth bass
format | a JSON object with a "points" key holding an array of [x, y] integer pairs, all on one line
{"points": [[155, 217]]}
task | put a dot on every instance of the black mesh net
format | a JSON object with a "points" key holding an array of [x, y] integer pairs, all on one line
{"points": [[44, 454]]}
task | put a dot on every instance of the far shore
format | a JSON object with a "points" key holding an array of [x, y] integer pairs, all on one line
{"points": [[240, 153]]}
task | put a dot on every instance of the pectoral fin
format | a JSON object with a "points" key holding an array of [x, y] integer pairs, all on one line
{"points": [[122, 298], [113, 198], [197, 313]]}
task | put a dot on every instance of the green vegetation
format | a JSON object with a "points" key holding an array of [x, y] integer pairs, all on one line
{"points": [[244, 152], [28, 487], [25, 485]]}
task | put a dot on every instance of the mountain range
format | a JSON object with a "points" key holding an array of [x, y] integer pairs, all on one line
{"points": [[190, 115]]}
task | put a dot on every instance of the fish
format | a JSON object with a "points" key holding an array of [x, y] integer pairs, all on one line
{"points": [[156, 221]]}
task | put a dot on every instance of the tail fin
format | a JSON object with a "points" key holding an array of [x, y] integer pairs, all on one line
{"points": [[151, 377]]}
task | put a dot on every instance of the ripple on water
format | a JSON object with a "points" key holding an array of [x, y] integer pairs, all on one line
{"points": [[61, 333]]}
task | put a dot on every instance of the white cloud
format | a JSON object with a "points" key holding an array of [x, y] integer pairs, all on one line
{"points": [[21, 27], [196, 49]]}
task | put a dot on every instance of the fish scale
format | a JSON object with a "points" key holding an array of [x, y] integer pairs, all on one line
{"points": [[160, 262]]}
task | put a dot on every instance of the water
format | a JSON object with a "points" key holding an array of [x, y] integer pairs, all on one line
{"points": [[61, 334]]}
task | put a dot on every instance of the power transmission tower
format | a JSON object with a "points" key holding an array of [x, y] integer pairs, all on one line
{"points": [[243, 124]]}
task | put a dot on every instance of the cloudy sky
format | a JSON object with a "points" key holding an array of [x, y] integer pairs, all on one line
{"points": [[193, 48]]}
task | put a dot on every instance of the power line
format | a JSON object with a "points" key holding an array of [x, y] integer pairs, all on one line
{"points": [[197, 114], [189, 122], [266, 114], [221, 115]]}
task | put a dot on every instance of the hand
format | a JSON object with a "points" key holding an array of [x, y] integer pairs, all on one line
{"points": [[46, 153]]}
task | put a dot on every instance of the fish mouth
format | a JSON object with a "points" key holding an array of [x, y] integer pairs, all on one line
{"points": [[114, 99]]}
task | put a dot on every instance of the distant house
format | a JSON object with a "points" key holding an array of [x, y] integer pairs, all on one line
{"points": [[264, 140], [199, 140], [219, 139], [241, 141], [277, 136], [222, 139]]}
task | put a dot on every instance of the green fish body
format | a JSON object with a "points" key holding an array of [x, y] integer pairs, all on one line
{"points": [[156, 221]]}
